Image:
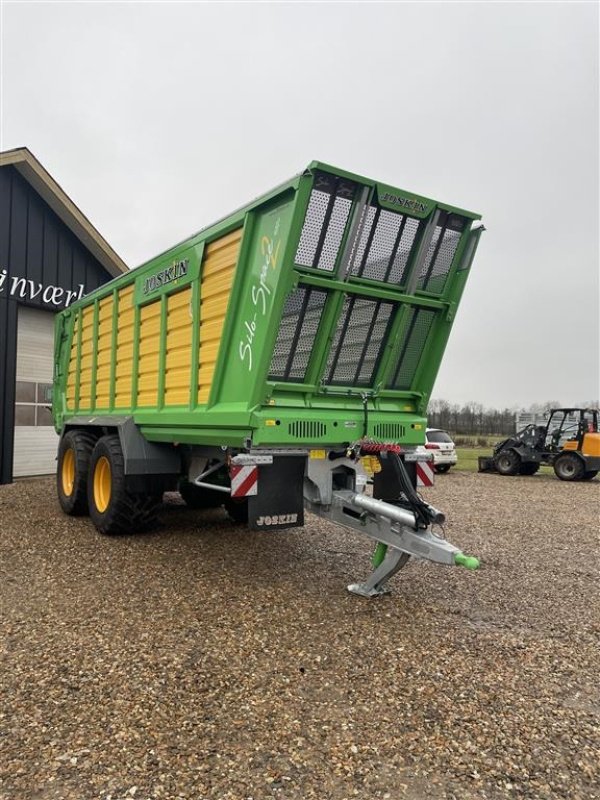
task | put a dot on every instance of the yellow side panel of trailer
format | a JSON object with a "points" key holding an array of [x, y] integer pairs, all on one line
{"points": [[72, 373], [103, 350], [85, 369], [124, 354], [178, 351], [148, 355], [215, 287]]}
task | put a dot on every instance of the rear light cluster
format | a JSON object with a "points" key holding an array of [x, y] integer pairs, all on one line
{"points": [[431, 446]]}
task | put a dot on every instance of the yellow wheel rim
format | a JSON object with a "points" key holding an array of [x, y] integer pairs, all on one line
{"points": [[102, 484], [67, 472]]}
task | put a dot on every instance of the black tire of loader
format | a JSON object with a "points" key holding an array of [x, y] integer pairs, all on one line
{"points": [[507, 462], [127, 512], [589, 475], [81, 443], [569, 467], [529, 469]]}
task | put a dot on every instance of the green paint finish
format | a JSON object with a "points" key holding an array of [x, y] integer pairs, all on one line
{"points": [[294, 238], [65, 331], [378, 555], [259, 293], [469, 562]]}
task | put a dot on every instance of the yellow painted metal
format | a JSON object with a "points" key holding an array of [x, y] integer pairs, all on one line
{"points": [[103, 348], [371, 465], [148, 354], [217, 276], [67, 472], [124, 356], [591, 444], [72, 371], [178, 354], [85, 371], [102, 484], [216, 280]]}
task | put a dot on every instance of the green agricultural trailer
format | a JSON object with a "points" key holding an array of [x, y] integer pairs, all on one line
{"points": [[270, 364]]}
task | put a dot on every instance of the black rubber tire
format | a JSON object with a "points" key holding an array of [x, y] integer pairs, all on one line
{"points": [[442, 468], [237, 510], [508, 462], [569, 467], [81, 443], [127, 512], [195, 497], [529, 469], [589, 475]]}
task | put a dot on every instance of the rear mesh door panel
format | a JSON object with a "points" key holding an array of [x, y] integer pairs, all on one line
{"points": [[417, 331], [385, 243], [358, 342], [325, 222], [297, 332], [440, 254], [350, 239]]}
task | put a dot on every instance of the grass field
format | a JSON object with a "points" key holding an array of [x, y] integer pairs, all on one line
{"points": [[467, 457]]}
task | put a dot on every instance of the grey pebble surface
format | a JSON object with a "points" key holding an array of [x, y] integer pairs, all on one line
{"points": [[201, 660]]}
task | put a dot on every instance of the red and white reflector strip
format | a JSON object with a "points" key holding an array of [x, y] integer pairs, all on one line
{"points": [[424, 473], [244, 480]]}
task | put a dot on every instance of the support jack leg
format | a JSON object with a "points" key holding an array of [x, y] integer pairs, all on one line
{"points": [[375, 586]]}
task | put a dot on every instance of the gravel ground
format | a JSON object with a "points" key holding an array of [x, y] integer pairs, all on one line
{"points": [[204, 661]]}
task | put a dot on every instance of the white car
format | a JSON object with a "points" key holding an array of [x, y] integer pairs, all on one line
{"points": [[442, 448]]}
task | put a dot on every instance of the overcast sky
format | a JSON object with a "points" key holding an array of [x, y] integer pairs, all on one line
{"points": [[157, 119]]}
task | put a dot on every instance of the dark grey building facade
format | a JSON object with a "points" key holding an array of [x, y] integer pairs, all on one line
{"points": [[50, 255]]}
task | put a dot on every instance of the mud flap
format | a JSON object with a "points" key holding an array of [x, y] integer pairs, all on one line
{"points": [[279, 503]]}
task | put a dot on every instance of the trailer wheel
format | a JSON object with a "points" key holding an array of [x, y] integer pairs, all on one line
{"points": [[196, 497], [114, 509], [569, 467], [529, 469], [590, 474], [507, 462], [74, 453]]}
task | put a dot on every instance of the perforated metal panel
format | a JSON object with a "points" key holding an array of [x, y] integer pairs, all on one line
{"points": [[358, 342], [416, 333], [325, 222], [386, 241], [299, 325], [441, 252]]}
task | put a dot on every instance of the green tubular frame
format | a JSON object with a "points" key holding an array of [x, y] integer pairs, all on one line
{"points": [[244, 404]]}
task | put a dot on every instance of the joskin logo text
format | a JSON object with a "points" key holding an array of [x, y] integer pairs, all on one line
{"points": [[405, 202], [177, 270]]}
